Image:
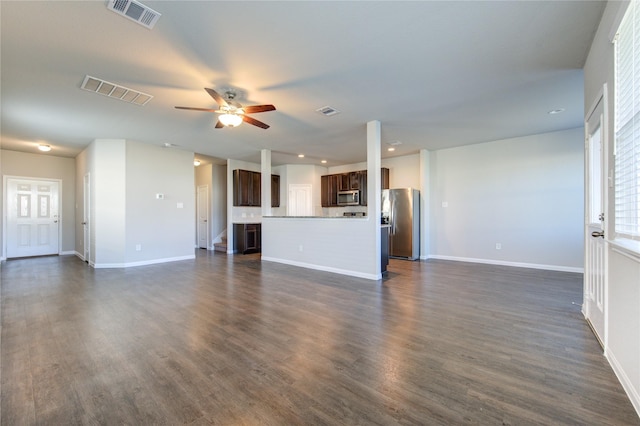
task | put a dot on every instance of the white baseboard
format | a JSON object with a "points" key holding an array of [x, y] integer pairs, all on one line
{"points": [[505, 263], [627, 385], [324, 268], [80, 256], [143, 263], [68, 252]]}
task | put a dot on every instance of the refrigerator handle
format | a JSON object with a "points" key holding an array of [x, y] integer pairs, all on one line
{"points": [[392, 219]]}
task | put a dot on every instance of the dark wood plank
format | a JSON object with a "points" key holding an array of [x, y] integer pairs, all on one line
{"points": [[233, 340]]}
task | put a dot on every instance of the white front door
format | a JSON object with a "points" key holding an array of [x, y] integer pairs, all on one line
{"points": [[33, 222], [203, 216], [594, 303]]}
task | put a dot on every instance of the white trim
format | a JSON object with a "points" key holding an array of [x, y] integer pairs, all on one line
{"points": [[627, 385], [81, 257], [67, 253], [514, 264], [324, 268], [627, 248], [143, 263]]}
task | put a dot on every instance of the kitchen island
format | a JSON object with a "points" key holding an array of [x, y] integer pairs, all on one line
{"points": [[344, 245]]}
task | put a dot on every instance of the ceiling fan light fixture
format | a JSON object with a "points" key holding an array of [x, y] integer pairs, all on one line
{"points": [[44, 148], [230, 120]]}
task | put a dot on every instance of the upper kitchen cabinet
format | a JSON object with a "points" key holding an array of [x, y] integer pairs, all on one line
{"points": [[331, 184], [385, 178], [247, 189], [275, 191]]}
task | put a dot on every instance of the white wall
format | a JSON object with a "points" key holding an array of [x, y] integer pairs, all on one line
{"points": [[109, 202], [46, 166], [125, 178], [342, 245], [523, 193], [404, 172], [623, 295], [163, 228]]}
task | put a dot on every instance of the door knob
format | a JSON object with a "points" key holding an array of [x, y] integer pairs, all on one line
{"points": [[597, 234], [84, 223]]}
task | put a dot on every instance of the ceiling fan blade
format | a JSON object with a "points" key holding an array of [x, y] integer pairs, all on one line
{"points": [[219, 125], [255, 122], [258, 108], [197, 109], [216, 97]]}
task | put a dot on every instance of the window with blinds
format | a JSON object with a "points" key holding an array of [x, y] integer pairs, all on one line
{"points": [[627, 125]]}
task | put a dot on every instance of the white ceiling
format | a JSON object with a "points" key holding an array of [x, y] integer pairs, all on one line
{"points": [[436, 74]]}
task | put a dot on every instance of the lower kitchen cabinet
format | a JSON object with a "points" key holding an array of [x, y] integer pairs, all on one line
{"points": [[247, 237]]}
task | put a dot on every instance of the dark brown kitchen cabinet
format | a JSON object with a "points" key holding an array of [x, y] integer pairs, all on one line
{"points": [[331, 184], [385, 177], [275, 191], [247, 237], [354, 180], [363, 187], [246, 188], [344, 182]]}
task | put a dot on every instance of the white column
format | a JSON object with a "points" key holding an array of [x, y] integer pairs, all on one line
{"points": [[425, 204], [265, 170], [374, 188]]}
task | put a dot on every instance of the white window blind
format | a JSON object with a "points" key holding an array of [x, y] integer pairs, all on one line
{"points": [[627, 125]]}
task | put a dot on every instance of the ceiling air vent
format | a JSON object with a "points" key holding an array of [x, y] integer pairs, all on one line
{"points": [[115, 91], [328, 111], [135, 11]]}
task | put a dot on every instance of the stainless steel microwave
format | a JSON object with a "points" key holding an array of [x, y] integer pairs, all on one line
{"points": [[349, 198]]}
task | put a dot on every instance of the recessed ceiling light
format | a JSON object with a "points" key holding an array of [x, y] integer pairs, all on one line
{"points": [[196, 163], [44, 148], [300, 155], [556, 111], [323, 161], [390, 149]]}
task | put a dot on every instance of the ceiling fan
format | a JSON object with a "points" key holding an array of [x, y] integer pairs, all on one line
{"points": [[231, 112]]}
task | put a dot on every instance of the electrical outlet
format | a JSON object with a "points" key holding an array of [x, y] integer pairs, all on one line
{"points": [[300, 248], [498, 246], [138, 247]]}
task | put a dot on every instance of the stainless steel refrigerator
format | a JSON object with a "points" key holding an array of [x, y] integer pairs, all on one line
{"points": [[401, 210]]}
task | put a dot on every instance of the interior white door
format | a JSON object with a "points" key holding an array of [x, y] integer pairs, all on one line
{"points": [[33, 222], [594, 304], [300, 201], [203, 216], [86, 219]]}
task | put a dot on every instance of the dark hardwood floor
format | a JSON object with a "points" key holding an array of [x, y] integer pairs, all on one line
{"points": [[232, 340]]}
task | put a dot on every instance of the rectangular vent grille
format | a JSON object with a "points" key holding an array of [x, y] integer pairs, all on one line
{"points": [[135, 11], [115, 91], [328, 111]]}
